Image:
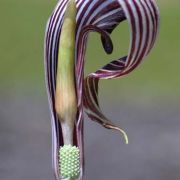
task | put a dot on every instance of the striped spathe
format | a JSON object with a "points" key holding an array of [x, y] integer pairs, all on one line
{"points": [[100, 16]]}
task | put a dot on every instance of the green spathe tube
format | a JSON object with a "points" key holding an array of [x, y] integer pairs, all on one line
{"points": [[65, 100]]}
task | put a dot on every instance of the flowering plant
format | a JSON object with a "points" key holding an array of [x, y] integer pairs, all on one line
{"points": [[86, 16]]}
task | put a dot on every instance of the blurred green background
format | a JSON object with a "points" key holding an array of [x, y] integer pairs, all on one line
{"points": [[146, 101], [21, 50]]}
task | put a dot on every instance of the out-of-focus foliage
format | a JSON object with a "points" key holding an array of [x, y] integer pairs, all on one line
{"points": [[21, 49]]}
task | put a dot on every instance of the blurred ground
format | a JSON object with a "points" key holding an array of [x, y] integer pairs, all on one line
{"points": [[145, 103], [152, 154]]}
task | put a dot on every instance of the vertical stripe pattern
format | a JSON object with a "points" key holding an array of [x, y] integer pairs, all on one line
{"points": [[143, 19], [105, 15]]}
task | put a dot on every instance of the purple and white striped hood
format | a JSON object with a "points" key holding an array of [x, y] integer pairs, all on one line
{"points": [[101, 16]]}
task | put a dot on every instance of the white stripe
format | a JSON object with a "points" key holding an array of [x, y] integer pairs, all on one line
{"points": [[144, 30], [150, 27], [102, 6], [105, 24], [106, 15], [90, 94], [84, 16], [137, 31]]}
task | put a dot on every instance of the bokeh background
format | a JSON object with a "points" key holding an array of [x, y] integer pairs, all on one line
{"points": [[146, 102]]}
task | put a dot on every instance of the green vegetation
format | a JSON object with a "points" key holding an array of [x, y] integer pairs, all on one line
{"points": [[21, 50]]}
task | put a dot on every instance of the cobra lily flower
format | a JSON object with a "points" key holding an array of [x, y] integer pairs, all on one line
{"points": [[86, 16]]}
